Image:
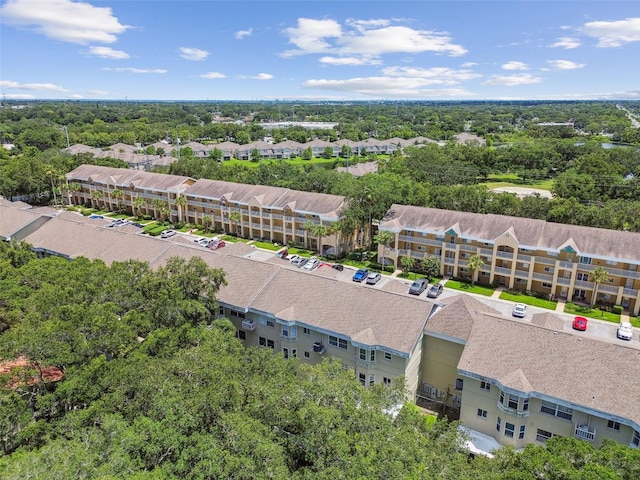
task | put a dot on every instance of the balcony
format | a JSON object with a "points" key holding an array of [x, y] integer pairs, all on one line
{"points": [[545, 261], [541, 277], [249, 325], [486, 252], [318, 347], [503, 271], [585, 432], [507, 255]]}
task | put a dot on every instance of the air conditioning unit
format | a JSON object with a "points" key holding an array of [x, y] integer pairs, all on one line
{"points": [[318, 347]]}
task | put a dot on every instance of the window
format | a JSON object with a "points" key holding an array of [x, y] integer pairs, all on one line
{"points": [[613, 425], [459, 383], [546, 285], [333, 341], [306, 331], [220, 310], [498, 423], [241, 334], [520, 280], [270, 323], [509, 429], [525, 405], [241, 315], [543, 435], [635, 441], [582, 276], [342, 343], [265, 342], [502, 398], [420, 248], [363, 354], [482, 413], [386, 381], [485, 386], [363, 378], [522, 430], [337, 342], [289, 332], [372, 355], [306, 355], [372, 379], [548, 269], [387, 356], [585, 260], [556, 410], [513, 401]]}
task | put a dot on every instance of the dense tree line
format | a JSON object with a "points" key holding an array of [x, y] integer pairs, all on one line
{"points": [[156, 387]]}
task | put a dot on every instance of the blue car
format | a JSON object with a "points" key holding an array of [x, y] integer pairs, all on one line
{"points": [[360, 275]]}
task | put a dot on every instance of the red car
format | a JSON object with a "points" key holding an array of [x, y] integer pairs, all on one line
{"points": [[580, 323], [217, 245]]}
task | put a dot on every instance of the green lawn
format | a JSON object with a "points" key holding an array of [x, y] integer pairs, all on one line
{"points": [[528, 300], [512, 180], [587, 311], [267, 246], [467, 288]]}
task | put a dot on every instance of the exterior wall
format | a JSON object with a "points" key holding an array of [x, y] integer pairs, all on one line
{"points": [[439, 368], [383, 368], [559, 274]]}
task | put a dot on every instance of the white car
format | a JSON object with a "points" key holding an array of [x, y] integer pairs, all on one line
{"points": [[167, 233], [625, 331], [520, 310], [312, 264]]}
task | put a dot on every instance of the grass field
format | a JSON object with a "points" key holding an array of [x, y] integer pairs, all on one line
{"points": [[512, 180], [467, 288], [587, 311], [528, 300]]}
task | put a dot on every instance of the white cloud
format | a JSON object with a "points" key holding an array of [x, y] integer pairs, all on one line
{"points": [[469, 64], [194, 54], [136, 70], [97, 92], [564, 64], [515, 66], [566, 43], [19, 96], [8, 84], [212, 75], [440, 75], [365, 38], [615, 33], [260, 76], [74, 22], [513, 80], [75, 96], [240, 34], [349, 61], [108, 52], [387, 87]]}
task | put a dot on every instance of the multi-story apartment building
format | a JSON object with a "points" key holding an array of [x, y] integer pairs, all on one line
{"points": [[269, 213], [518, 381], [521, 253], [522, 382]]}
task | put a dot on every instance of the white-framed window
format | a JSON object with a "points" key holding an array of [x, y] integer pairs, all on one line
{"points": [[338, 342], [543, 435], [386, 381], [241, 334], [509, 429], [437, 251], [635, 441], [270, 323], [498, 424], [525, 405], [307, 354], [513, 401], [546, 285], [306, 331], [387, 356], [522, 430], [289, 331], [420, 248], [486, 386], [521, 280], [289, 352], [372, 379], [585, 260], [265, 342], [363, 378], [613, 425], [548, 269], [333, 341], [582, 276], [556, 410], [459, 383], [363, 354], [482, 413]]}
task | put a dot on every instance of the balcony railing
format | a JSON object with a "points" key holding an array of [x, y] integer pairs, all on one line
{"points": [[249, 325], [545, 261], [508, 255], [502, 271], [486, 252], [585, 432]]}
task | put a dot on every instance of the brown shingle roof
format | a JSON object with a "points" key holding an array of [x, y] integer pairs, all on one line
{"points": [[123, 177]]}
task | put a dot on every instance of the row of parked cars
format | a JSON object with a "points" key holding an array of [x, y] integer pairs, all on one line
{"points": [[421, 284]]}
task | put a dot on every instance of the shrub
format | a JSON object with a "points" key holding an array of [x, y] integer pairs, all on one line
{"points": [[617, 309]]}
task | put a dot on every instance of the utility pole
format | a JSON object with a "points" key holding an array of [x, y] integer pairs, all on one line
{"points": [[66, 131]]}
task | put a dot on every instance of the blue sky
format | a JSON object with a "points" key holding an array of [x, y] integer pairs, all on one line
{"points": [[329, 50]]}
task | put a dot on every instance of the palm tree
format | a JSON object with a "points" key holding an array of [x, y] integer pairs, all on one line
{"points": [[234, 218], [384, 238], [180, 202], [407, 263], [117, 194], [475, 264], [318, 230], [599, 275], [95, 196], [165, 213], [137, 205], [206, 221], [157, 204], [53, 175]]}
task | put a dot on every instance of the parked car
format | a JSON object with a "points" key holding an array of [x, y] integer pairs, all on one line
{"points": [[373, 278], [203, 242], [580, 323], [300, 262], [520, 310], [625, 331], [312, 264], [419, 286], [434, 290], [167, 233], [361, 275], [338, 266], [216, 245], [291, 257]]}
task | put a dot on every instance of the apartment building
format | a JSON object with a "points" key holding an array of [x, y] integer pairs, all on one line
{"points": [[267, 213], [520, 253], [523, 382]]}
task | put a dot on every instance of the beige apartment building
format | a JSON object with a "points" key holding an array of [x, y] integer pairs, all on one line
{"points": [[520, 253], [262, 213]]}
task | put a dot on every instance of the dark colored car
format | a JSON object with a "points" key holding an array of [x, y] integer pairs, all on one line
{"points": [[419, 286], [361, 275], [338, 266], [434, 290]]}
